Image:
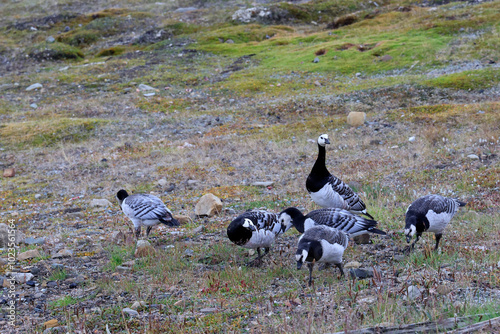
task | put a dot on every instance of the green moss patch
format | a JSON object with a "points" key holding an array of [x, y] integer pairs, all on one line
{"points": [[467, 80], [243, 34], [79, 37], [48, 132], [54, 51], [113, 51]]}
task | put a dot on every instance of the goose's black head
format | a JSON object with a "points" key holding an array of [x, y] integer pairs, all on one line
{"points": [[410, 227], [121, 195], [292, 216], [240, 230], [308, 250], [323, 140]]}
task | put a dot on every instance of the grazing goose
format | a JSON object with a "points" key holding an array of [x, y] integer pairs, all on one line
{"points": [[321, 244], [337, 218], [145, 209], [327, 190], [430, 213], [256, 229]]}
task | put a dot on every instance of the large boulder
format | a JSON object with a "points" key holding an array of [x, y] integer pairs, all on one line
{"points": [[208, 205], [356, 118]]}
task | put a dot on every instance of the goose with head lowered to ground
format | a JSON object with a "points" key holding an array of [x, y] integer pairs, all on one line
{"points": [[327, 190], [145, 209], [255, 230], [321, 244], [430, 213]]}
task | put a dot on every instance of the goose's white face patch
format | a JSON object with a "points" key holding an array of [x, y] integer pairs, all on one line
{"points": [[410, 232], [301, 257], [323, 140], [247, 223], [285, 219]]}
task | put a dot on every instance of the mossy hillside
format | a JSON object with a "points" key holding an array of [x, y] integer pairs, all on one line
{"points": [[48, 132], [409, 38], [324, 11]]}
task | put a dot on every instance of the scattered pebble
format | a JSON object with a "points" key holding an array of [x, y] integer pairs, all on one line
{"points": [[130, 312], [413, 292], [34, 86]]}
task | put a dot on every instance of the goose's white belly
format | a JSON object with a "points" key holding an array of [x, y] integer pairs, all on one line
{"points": [[327, 198], [260, 238], [438, 221], [331, 253]]}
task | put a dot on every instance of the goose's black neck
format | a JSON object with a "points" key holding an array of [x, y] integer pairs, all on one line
{"points": [[319, 167], [298, 219]]}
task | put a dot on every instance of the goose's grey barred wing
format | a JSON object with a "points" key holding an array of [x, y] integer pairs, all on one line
{"points": [[350, 197], [344, 220], [145, 207], [266, 220], [332, 235], [436, 203]]}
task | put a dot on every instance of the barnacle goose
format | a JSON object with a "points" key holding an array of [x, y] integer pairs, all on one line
{"points": [[321, 244], [256, 229], [337, 218], [327, 190], [430, 213], [145, 209]]}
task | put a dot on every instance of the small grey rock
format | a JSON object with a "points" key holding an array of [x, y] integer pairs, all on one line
{"points": [[59, 266], [144, 87], [208, 310], [34, 105], [50, 39], [199, 229], [34, 241], [34, 86], [22, 277], [361, 273], [263, 183], [130, 312], [63, 253], [316, 60], [189, 252], [122, 269], [413, 292], [185, 9]]}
